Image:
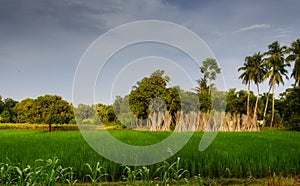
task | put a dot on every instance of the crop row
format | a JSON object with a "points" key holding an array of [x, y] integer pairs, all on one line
{"points": [[231, 155]]}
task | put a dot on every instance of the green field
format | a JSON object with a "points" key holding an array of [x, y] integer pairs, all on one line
{"points": [[231, 155]]}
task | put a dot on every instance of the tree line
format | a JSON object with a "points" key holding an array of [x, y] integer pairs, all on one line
{"points": [[271, 66], [47, 109], [153, 95]]}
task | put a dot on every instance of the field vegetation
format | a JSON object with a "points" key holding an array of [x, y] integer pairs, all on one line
{"points": [[246, 156]]}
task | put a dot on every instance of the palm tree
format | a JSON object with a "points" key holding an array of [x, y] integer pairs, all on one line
{"points": [[276, 65], [259, 72], [295, 56], [267, 101], [247, 76], [202, 87]]}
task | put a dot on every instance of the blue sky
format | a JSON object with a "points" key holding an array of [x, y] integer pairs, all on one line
{"points": [[41, 42]]}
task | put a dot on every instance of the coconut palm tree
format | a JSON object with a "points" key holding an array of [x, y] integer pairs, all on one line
{"points": [[259, 72], [267, 101], [295, 56], [202, 87], [276, 69], [247, 77]]}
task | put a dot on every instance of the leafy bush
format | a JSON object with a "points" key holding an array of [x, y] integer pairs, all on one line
{"points": [[294, 123], [292, 109]]}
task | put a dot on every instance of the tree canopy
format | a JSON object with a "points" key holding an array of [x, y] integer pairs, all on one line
{"points": [[153, 88], [292, 109], [47, 109], [7, 114], [295, 56]]}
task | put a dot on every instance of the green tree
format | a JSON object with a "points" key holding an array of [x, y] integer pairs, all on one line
{"points": [[204, 96], [276, 69], [25, 111], [236, 102], [210, 70], [205, 102], [121, 105], [47, 109], [218, 100], [189, 101], [267, 102], [149, 88], [118, 104], [259, 72], [247, 76], [291, 109], [172, 99], [295, 56], [8, 115], [124, 116], [231, 101], [85, 114], [106, 113], [202, 86], [1, 104], [54, 109], [5, 117], [264, 106]]}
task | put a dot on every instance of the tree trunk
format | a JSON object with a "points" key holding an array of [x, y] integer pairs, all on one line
{"points": [[248, 99], [50, 127], [273, 106], [256, 103], [266, 105], [136, 122]]}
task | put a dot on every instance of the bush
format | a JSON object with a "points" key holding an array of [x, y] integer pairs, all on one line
{"points": [[292, 109], [294, 123]]}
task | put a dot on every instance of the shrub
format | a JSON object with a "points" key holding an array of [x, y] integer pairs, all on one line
{"points": [[294, 123]]}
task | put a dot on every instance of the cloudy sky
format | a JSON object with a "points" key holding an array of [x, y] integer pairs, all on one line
{"points": [[41, 42]]}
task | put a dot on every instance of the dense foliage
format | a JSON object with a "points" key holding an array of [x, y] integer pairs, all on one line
{"points": [[292, 109], [152, 93], [7, 113], [46, 109], [272, 66]]}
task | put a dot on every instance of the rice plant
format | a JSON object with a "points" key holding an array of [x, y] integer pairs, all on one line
{"points": [[245, 156]]}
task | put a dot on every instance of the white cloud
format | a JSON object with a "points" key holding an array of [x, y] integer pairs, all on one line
{"points": [[253, 27]]}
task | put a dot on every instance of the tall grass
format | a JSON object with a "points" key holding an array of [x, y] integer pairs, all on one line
{"points": [[231, 155]]}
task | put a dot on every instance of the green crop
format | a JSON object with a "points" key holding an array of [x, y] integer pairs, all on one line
{"points": [[29, 158]]}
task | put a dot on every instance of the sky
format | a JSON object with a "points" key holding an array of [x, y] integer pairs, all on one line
{"points": [[42, 42]]}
